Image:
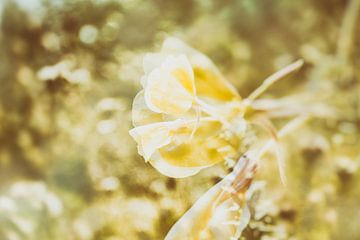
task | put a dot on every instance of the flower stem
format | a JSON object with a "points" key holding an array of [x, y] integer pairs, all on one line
{"points": [[274, 78], [288, 128]]}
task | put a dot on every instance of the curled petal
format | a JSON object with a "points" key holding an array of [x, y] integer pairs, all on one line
{"points": [[153, 136], [158, 162], [165, 94], [141, 114], [209, 82], [177, 65]]}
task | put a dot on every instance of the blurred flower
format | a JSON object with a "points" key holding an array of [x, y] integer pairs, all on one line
{"points": [[222, 212], [65, 69], [186, 102], [29, 207], [188, 117]]}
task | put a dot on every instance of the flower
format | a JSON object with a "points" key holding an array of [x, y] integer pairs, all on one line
{"points": [[187, 117], [222, 212]]}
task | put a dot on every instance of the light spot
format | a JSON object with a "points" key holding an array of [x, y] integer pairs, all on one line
{"points": [[109, 183], [51, 41], [88, 34], [106, 126]]}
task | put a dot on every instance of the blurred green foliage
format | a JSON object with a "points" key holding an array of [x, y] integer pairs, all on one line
{"points": [[70, 69]]}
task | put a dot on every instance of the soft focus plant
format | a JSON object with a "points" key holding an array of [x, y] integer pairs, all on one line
{"points": [[188, 117], [69, 74]]}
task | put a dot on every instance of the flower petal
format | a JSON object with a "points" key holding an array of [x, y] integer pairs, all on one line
{"points": [[165, 94], [218, 214], [141, 114], [181, 69], [195, 220], [209, 82], [199, 150], [151, 137], [172, 171]]}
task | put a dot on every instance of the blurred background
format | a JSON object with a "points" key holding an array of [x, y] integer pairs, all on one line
{"points": [[69, 70]]}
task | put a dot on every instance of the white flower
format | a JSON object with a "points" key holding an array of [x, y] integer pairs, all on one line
{"points": [[188, 117], [222, 212], [183, 115]]}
